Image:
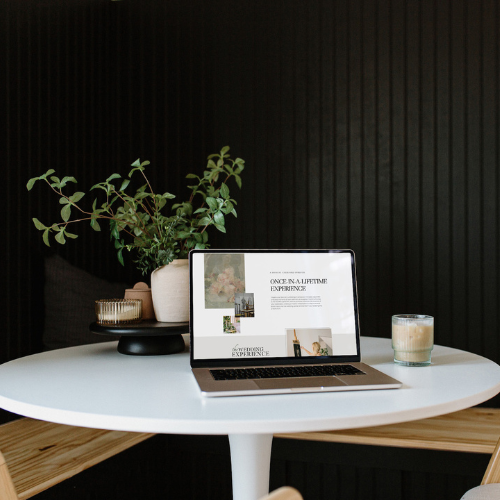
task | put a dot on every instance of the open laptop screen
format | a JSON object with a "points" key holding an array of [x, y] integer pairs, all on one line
{"points": [[284, 304]]}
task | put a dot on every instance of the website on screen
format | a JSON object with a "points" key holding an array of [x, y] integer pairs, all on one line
{"points": [[254, 305]]}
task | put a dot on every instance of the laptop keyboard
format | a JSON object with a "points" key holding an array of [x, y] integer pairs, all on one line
{"points": [[284, 372]]}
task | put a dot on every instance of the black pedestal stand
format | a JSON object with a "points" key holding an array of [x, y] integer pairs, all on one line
{"points": [[148, 338]]}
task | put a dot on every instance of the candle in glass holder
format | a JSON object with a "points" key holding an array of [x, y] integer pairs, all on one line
{"points": [[412, 339], [118, 311]]}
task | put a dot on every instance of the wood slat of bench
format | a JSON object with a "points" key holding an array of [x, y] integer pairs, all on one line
{"points": [[41, 454], [475, 430]]}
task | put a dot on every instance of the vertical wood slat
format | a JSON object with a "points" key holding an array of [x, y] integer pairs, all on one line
{"points": [[490, 178], [6, 200], [327, 124], [398, 189], [474, 164], [367, 258], [354, 215], [341, 215], [428, 166], [313, 133], [443, 170], [414, 186], [285, 220], [301, 100], [458, 142]]}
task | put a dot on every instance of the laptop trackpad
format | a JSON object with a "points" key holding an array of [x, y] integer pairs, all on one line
{"points": [[290, 383]]}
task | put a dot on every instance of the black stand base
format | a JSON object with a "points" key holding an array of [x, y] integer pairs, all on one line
{"points": [[148, 338], [151, 346]]}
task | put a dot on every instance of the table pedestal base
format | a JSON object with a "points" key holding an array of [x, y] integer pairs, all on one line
{"points": [[250, 463]]}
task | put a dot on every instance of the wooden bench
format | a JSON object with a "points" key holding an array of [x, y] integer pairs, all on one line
{"points": [[41, 454], [474, 430]]}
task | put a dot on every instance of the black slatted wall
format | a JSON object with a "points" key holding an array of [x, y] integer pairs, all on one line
{"points": [[368, 124]]}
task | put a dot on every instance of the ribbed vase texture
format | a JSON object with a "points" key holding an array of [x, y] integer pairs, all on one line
{"points": [[170, 291]]}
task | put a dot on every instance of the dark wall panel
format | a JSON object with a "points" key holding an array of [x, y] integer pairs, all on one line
{"points": [[369, 124], [381, 132]]}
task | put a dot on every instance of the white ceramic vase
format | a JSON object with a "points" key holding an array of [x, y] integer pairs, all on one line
{"points": [[170, 291]]}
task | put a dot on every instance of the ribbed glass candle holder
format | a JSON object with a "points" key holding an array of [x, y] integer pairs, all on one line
{"points": [[118, 311]]}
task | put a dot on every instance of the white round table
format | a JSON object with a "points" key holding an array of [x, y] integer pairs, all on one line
{"points": [[95, 386]]}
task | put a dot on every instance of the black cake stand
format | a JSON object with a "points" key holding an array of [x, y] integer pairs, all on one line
{"points": [[147, 338]]}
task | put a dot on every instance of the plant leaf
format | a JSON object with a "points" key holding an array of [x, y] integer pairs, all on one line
{"points": [[94, 224], [60, 237], [204, 221], [31, 183], [65, 214], [222, 229], [75, 198], [38, 224], [219, 218], [224, 191], [228, 208], [120, 257], [124, 185], [113, 176], [71, 235], [212, 203], [46, 174], [224, 150], [46, 237], [115, 233]]}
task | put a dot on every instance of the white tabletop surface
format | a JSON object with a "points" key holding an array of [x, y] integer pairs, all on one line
{"points": [[95, 386]]}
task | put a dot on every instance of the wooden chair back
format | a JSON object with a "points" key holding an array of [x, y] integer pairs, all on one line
{"points": [[284, 493], [492, 474], [7, 490]]}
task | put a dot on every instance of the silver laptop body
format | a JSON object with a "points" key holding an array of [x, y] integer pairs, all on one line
{"points": [[277, 321]]}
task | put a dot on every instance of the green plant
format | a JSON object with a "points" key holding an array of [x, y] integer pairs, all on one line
{"points": [[138, 222]]}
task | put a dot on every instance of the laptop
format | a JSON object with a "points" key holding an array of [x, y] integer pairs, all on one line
{"points": [[277, 322]]}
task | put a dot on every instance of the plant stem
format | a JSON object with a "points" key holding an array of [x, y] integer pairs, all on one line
{"points": [[90, 218]]}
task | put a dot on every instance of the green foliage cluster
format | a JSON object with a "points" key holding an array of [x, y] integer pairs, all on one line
{"points": [[138, 222]]}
